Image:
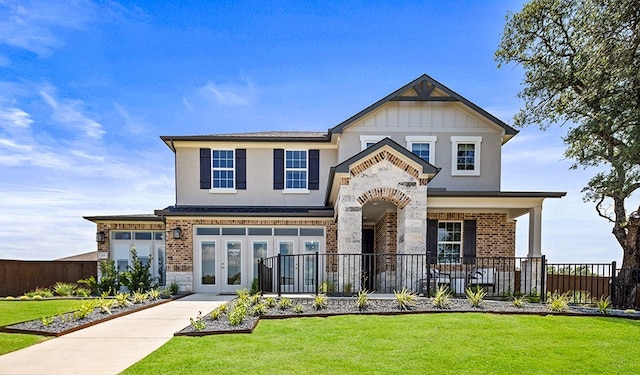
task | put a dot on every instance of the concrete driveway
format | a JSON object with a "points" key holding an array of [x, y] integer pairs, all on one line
{"points": [[112, 346]]}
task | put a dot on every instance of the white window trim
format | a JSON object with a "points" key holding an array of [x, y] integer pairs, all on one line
{"points": [[455, 141], [364, 139], [306, 171], [431, 140], [224, 190], [461, 242]]}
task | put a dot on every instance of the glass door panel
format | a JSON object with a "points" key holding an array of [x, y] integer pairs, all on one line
{"points": [[234, 263], [259, 251], [311, 248], [287, 266], [208, 262]]}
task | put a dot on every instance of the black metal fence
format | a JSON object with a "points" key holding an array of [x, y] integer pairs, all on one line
{"points": [[340, 274], [501, 277]]}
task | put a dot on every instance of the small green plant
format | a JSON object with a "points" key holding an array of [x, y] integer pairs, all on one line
{"points": [[137, 277], [64, 289], [122, 300], [362, 299], [83, 292], [603, 305], [174, 288], [237, 315], [255, 299], [139, 297], [534, 296], [198, 323], [83, 310], [270, 302], [47, 320], [254, 287], [259, 309], [442, 298], [581, 297], [518, 301], [327, 287], [9, 298], [37, 298], [629, 311], [405, 299], [348, 287], [108, 282], [104, 305], [475, 297], [320, 302], [218, 312], [558, 302], [223, 308], [298, 309], [90, 283], [43, 292], [284, 303], [154, 294], [24, 298]]}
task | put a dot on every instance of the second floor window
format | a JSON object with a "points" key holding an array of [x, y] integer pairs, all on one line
{"points": [[223, 169], [295, 169], [422, 146], [465, 158]]}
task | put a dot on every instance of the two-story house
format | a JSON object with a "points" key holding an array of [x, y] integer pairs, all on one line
{"points": [[418, 171]]}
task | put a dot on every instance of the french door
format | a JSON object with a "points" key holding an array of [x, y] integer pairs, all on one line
{"points": [[297, 268], [219, 266]]}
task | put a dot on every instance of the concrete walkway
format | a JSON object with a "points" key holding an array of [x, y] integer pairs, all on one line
{"points": [[112, 346]]}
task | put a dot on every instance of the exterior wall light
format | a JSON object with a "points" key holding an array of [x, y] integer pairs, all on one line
{"points": [[100, 236], [177, 233]]}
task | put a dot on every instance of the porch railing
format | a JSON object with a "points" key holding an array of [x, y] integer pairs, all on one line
{"points": [[342, 274], [501, 277]]}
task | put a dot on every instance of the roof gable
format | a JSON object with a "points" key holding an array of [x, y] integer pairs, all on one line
{"points": [[425, 89]]}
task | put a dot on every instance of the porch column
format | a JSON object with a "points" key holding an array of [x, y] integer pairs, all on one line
{"points": [[349, 214], [535, 232]]}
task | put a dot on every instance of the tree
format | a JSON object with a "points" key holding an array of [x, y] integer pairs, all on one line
{"points": [[581, 61]]}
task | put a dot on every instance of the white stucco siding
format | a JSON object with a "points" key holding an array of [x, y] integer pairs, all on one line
{"points": [[259, 191]]}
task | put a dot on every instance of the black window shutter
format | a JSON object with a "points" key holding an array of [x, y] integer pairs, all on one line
{"points": [[205, 168], [432, 240], [241, 169], [469, 241], [278, 169], [314, 169]]}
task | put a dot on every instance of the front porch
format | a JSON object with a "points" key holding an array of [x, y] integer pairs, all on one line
{"points": [[346, 274]]}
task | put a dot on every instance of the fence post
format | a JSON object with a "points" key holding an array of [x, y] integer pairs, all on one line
{"points": [[429, 274], [260, 264], [614, 281], [543, 278], [278, 274], [317, 273]]}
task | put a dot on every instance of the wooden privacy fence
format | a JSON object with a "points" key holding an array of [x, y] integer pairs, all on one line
{"points": [[20, 276]]}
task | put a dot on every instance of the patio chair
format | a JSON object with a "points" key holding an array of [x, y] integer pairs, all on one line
{"points": [[436, 278], [482, 277]]}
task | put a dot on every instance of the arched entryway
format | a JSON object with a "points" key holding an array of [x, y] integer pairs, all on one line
{"points": [[379, 240]]}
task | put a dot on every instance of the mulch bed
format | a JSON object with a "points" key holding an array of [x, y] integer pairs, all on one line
{"points": [[66, 323], [346, 306]]}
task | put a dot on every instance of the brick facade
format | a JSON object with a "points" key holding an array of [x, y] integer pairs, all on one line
{"points": [[495, 234]]}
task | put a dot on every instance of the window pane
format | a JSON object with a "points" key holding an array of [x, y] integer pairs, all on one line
{"points": [[449, 242], [234, 263], [208, 259], [208, 231], [296, 180], [223, 173], [121, 235], [260, 231], [259, 251], [421, 149], [234, 231], [142, 235], [466, 157], [287, 265], [312, 232], [286, 231]]}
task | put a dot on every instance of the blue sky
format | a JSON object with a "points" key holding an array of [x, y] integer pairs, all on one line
{"points": [[87, 87]]}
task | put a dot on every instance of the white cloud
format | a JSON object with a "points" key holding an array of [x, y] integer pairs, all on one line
{"points": [[33, 25], [69, 113], [229, 94], [14, 117], [11, 144]]}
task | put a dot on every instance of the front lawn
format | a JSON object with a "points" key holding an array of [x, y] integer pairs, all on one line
{"points": [[409, 344], [12, 312]]}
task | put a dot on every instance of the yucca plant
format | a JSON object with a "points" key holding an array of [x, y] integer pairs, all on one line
{"points": [[475, 297], [83, 310], [405, 299], [362, 299], [198, 323], [442, 298], [270, 301], [284, 303], [518, 301], [320, 302], [122, 299], [558, 302], [259, 309], [139, 297], [298, 309], [64, 289], [237, 315], [603, 305], [83, 292], [217, 313], [154, 294], [105, 305]]}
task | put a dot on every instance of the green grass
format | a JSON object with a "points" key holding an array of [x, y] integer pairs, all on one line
{"points": [[409, 344], [12, 312]]}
